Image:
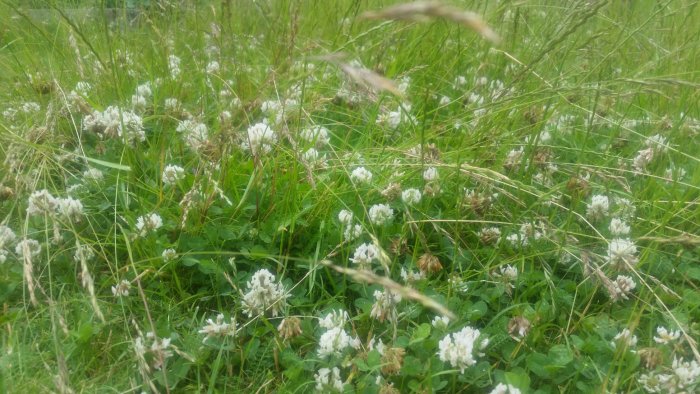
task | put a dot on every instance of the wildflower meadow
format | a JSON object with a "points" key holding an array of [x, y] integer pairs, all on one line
{"points": [[348, 196]]}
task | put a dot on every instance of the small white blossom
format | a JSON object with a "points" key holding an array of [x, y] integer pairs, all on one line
{"points": [[430, 174], [345, 216], [7, 237], [213, 67], [626, 338], [622, 287], [83, 253], [598, 208], [93, 175], [70, 209], [260, 139], [121, 289], [440, 322], [174, 66], [364, 255], [317, 135], [458, 348], [264, 293], [218, 328], [380, 214], [618, 227], [41, 202], [172, 174], [665, 336], [334, 319], [505, 389], [352, 232], [31, 246], [335, 341], [328, 380], [621, 253], [361, 175], [148, 223], [194, 133], [411, 196], [169, 255], [411, 276]]}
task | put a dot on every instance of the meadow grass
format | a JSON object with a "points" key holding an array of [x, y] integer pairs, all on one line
{"points": [[541, 192]]}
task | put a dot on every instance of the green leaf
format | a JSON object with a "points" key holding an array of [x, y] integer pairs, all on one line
{"points": [[420, 333]]}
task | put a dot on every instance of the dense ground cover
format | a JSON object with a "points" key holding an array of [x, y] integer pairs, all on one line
{"points": [[205, 199]]}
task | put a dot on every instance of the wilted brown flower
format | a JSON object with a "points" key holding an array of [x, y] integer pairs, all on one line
{"points": [[398, 246], [651, 357], [392, 360], [578, 187], [427, 263], [289, 328], [518, 327], [392, 192]]}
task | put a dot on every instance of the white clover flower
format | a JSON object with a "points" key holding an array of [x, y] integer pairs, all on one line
{"points": [[7, 237], [313, 157], [598, 208], [121, 289], [345, 216], [384, 307], [361, 175], [505, 389], [172, 174], [334, 319], [509, 272], [665, 337], [115, 122], [70, 208], [218, 328], [393, 119], [317, 135], [169, 255], [335, 341], [621, 253], [93, 175], [643, 158], [411, 196], [263, 294], [380, 214], [459, 81], [174, 66], [352, 232], [30, 246], [618, 227], [458, 348], [41, 202], [444, 100], [30, 107], [148, 223], [3, 256], [687, 372], [657, 383], [626, 338], [674, 174], [440, 322], [138, 103], [260, 139], [194, 133], [144, 90], [411, 276], [364, 255], [172, 104], [328, 380], [430, 174], [622, 287], [213, 67]]}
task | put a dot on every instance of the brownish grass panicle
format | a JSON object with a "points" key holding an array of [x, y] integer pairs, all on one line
{"points": [[366, 78], [424, 10]]}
